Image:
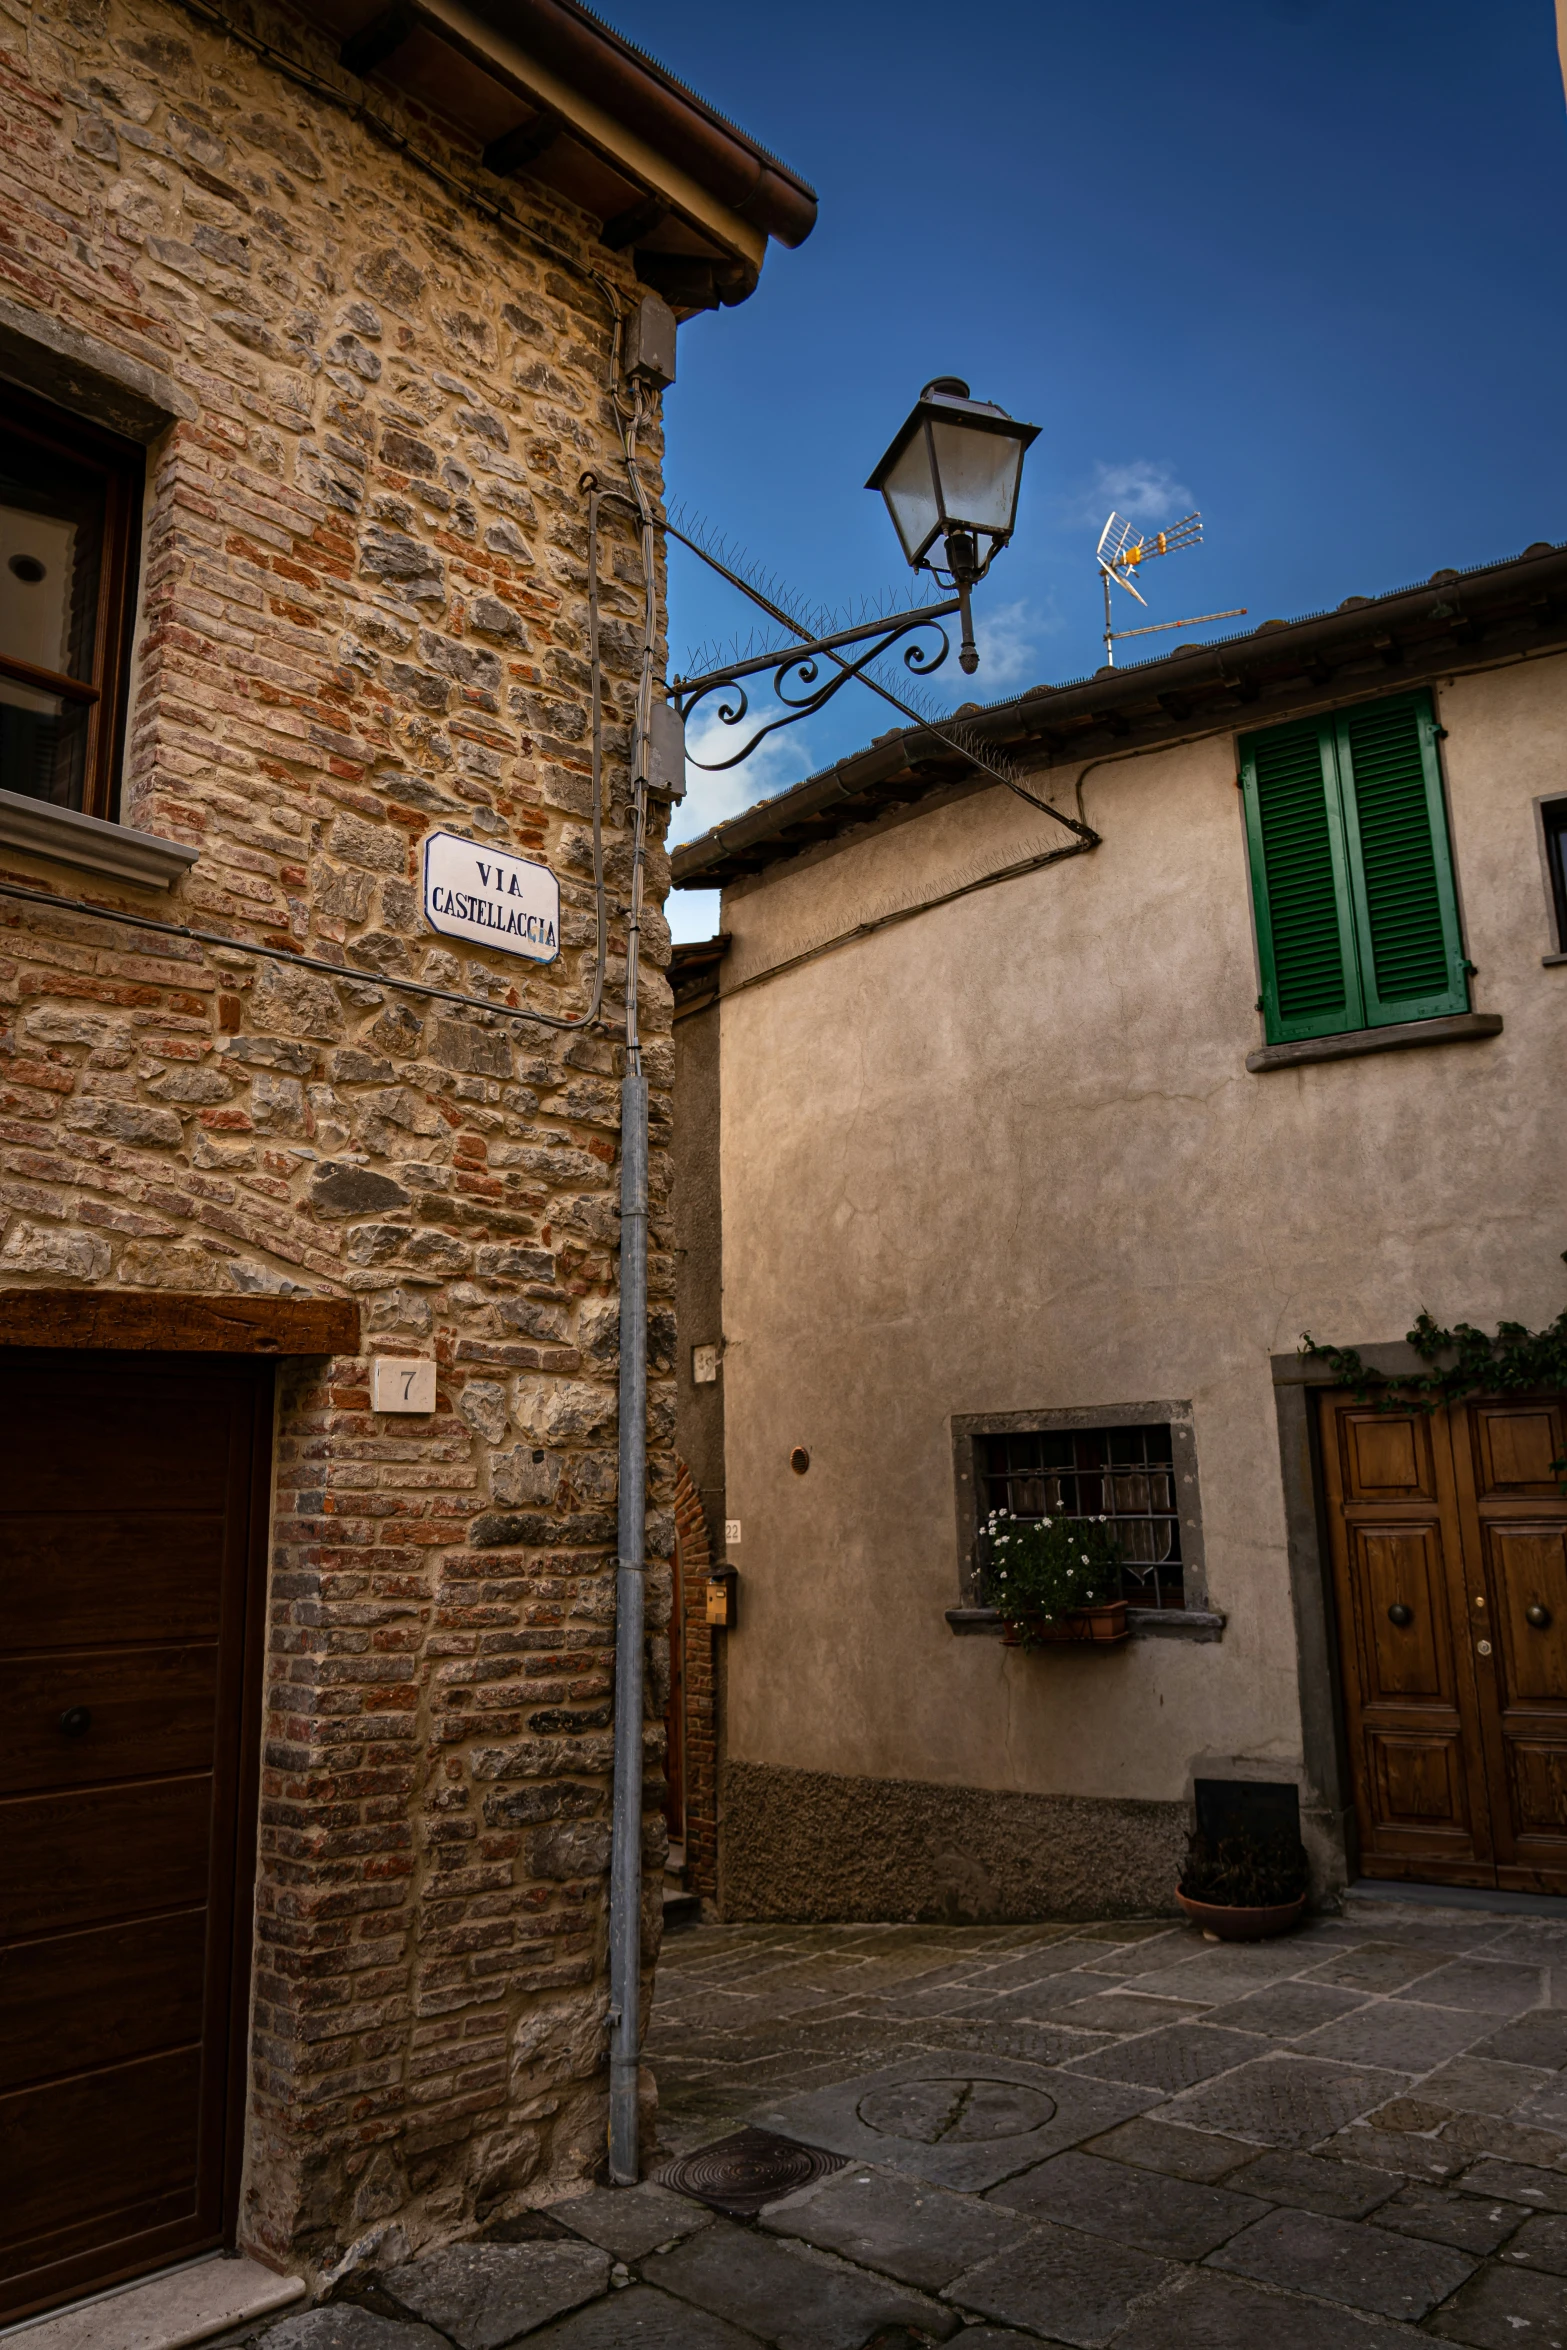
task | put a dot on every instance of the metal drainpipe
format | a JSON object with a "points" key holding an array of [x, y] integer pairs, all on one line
{"points": [[625, 1866]]}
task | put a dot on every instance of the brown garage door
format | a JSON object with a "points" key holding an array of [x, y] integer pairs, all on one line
{"points": [[132, 1543], [1449, 1538]]}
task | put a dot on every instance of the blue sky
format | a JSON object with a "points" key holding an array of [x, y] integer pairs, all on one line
{"points": [[1299, 263]]}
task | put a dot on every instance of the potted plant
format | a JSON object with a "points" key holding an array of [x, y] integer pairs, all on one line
{"points": [[1054, 1580], [1244, 1887]]}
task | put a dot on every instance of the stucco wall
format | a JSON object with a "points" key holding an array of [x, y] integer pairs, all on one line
{"points": [[1006, 1156]]}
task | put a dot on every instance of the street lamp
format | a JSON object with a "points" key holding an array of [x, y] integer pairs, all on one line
{"points": [[953, 473]]}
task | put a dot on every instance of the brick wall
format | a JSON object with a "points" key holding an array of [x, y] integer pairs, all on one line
{"points": [[362, 614], [701, 1712]]}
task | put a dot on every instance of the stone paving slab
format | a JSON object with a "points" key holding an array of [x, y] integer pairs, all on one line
{"points": [[1517, 2182], [1377, 1966], [1397, 2034], [640, 2319], [1030, 2043], [1070, 2287], [1339, 2190], [1181, 2153], [1470, 2223], [1346, 2261], [786, 2297], [1482, 2084], [1220, 2313], [630, 2222], [1283, 2011], [1174, 2219], [960, 2126], [1540, 2243], [483, 2295], [1285, 2100], [1489, 1986], [1176, 2057], [343, 2327], [1537, 2038], [1506, 2309], [920, 2234], [1126, 2011]]}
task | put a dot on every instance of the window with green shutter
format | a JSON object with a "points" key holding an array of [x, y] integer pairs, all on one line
{"points": [[1351, 873]]}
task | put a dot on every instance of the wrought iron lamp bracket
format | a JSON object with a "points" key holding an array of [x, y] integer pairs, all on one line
{"points": [[797, 674]]}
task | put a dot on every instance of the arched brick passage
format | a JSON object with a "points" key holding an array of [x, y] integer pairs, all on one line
{"points": [[694, 1672]]}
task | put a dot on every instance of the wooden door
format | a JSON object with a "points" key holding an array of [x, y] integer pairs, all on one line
{"points": [[1449, 1541], [132, 1548], [675, 1716]]}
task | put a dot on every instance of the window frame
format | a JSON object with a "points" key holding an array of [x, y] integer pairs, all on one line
{"points": [[969, 1429], [1553, 848], [122, 466], [1363, 1010]]}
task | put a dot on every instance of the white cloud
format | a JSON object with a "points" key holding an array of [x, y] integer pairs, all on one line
{"points": [[1141, 491], [711, 799]]}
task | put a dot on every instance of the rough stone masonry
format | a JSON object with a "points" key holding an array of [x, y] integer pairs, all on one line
{"points": [[362, 615]]}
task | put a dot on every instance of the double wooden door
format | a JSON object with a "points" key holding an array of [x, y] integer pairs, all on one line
{"points": [[132, 1548], [1449, 1538]]}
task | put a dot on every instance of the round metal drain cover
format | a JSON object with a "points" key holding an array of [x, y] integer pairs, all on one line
{"points": [[741, 2174]]}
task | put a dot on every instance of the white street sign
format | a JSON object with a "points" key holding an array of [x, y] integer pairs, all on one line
{"points": [[491, 898]]}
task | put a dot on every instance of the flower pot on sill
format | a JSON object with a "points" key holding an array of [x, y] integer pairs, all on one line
{"points": [[1081, 1627], [1242, 1925]]}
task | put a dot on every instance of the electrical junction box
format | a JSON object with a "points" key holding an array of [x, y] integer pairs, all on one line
{"points": [[666, 753], [650, 343], [722, 1592], [406, 1385]]}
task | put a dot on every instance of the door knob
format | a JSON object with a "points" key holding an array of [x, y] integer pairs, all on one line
{"points": [[75, 1722], [1539, 1617], [1400, 1615]]}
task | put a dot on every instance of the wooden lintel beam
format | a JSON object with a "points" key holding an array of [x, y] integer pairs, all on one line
{"points": [[514, 150], [178, 1322], [638, 221], [378, 40]]}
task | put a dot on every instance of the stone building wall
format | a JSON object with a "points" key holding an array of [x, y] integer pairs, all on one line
{"points": [[362, 614]]}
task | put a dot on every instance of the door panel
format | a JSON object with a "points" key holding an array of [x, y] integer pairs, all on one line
{"points": [[80, 2001], [1410, 1710], [132, 1547], [1457, 1716]]}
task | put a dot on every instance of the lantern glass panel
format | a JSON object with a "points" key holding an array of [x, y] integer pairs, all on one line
{"points": [[911, 496], [979, 475]]}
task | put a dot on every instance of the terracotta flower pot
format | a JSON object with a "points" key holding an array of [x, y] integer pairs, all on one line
{"points": [[1242, 1925], [1093, 1627]]}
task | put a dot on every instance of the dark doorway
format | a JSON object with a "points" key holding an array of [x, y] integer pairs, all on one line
{"points": [[133, 1506], [1449, 1538]]}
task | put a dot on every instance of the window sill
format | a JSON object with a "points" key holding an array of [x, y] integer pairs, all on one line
{"points": [[1451, 1028], [71, 839], [1144, 1623], [1548, 960]]}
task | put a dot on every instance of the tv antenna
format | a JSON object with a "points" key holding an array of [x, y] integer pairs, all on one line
{"points": [[1120, 557]]}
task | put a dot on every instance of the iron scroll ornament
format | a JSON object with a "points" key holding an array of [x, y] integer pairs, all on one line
{"points": [[800, 668]]}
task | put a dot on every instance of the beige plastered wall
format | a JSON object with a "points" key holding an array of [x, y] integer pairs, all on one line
{"points": [[1007, 1156]]}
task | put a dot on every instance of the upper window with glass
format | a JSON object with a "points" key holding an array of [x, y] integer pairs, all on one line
{"points": [[69, 508]]}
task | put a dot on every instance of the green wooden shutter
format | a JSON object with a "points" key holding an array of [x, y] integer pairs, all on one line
{"points": [[1352, 875], [1401, 869], [1300, 883]]}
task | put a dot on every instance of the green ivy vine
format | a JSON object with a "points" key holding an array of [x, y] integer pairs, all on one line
{"points": [[1515, 1359]]}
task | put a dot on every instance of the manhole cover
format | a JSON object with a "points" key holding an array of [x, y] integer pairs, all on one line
{"points": [[958, 2111], [741, 2173]]}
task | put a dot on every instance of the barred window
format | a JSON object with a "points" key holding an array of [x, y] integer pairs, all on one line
{"points": [[1126, 1475]]}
